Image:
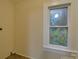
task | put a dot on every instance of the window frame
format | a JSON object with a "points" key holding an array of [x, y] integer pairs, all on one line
{"points": [[46, 28]]}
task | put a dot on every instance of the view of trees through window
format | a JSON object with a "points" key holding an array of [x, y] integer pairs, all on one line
{"points": [[58, 27]]}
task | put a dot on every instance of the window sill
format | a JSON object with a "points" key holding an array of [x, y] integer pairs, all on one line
{"points": [[60, 51]]}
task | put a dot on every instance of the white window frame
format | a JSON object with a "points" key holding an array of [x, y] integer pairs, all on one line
{"points": [[46, 30]]}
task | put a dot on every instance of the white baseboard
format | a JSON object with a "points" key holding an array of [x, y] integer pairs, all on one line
{"points": [[14, 52], [25, 56]]}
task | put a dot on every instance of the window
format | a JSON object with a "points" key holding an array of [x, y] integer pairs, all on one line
{"points": [[56, 27], [58, 36]]}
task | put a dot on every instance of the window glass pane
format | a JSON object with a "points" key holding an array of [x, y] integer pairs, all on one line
{"points": [[58, 36], [58, 17]]}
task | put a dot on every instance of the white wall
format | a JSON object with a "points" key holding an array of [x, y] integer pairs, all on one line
{"points": [[26, 38], [7, 23], [29, 28], [29, 20]]}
